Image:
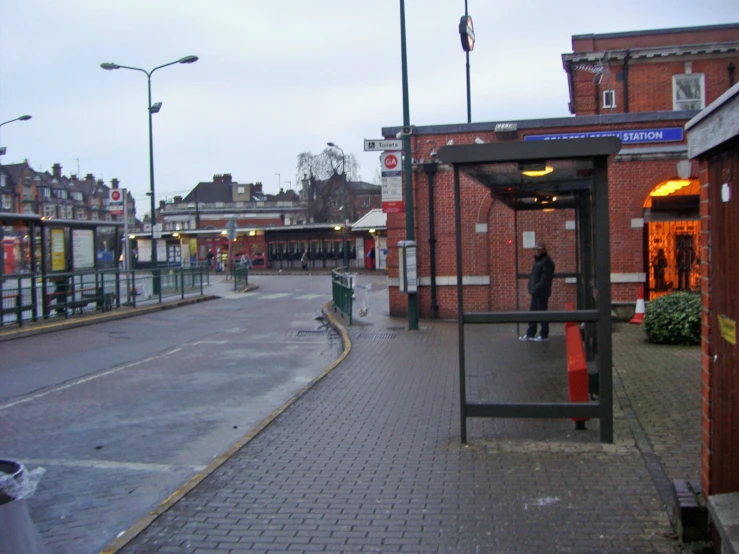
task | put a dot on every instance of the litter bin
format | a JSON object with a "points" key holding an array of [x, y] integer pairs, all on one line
{"points": [[17, 531]]}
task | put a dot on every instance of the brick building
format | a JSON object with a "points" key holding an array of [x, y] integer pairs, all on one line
{"points": [[714, 145], [641, 86]]}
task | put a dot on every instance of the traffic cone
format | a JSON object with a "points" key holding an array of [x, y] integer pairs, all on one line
{"points": [[640, 307]]}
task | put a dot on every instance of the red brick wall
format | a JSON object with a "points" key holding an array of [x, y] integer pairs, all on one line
{"points": [[706, 360], [650, 84], [491, 254]]}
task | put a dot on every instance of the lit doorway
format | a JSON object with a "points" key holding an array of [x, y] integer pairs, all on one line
{"points": [[672, 234]]}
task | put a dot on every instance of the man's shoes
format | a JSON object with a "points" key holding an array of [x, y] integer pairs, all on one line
{"points": [[526, 338], [540, 339]]}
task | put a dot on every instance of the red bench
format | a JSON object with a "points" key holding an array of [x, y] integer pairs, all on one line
{"points": [[577, 366]]}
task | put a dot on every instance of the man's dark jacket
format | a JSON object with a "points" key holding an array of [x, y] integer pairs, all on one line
{"points": [[540, 283]]}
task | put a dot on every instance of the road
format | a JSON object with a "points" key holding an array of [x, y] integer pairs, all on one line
{"points": [[121, 414]]}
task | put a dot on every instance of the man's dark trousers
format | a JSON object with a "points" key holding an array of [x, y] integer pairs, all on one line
{"points": [[538, 304]]}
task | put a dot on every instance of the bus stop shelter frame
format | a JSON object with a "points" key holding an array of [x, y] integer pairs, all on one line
{"points": [[579, 180]]}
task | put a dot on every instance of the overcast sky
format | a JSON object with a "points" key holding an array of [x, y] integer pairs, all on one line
{"points": [[279, 77]]}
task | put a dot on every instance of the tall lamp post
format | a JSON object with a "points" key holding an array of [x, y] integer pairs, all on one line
{"points": [[20, 118], [152, 109], [345, 211]]}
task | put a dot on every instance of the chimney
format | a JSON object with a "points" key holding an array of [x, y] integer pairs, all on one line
{"points": [[56, 170], [227, 178], [258, 188], [114, 184], [89, 177], [177, 199], [217, 178], [161, 205]]}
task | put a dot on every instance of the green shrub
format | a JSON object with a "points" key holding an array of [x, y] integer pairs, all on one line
{"points": [[674, 319]]}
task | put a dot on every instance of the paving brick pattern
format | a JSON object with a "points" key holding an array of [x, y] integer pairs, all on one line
{"points": [[370, 460]]}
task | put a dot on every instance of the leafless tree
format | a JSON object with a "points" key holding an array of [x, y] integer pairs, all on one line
{"points": [[324, 193]]}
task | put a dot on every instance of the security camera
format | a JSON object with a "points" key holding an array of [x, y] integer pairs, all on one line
{"points": [[399, 135]]}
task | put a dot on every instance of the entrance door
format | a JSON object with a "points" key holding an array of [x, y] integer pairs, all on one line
{"points": [[370, 254], [724, 271]]}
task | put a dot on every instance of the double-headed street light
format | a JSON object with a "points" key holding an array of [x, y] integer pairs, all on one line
{"points": [[346, 212], [20, 118], [152, 109]]}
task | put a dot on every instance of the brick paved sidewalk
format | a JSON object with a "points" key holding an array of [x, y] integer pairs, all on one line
{"points": [[369, 460]]}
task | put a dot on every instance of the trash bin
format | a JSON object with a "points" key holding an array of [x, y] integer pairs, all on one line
{"points": [[17, 531]]}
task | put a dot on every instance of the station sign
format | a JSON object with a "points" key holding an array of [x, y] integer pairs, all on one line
{"points": [[627, 136]]}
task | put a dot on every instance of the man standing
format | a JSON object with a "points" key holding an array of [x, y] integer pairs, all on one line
{"points": [[540, 289]]}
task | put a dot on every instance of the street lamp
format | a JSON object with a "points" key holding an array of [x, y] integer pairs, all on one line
{"points": [[152, 109], [346, 213], [21, 118]]}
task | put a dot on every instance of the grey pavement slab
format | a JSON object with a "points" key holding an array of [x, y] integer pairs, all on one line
{"points": [[370, 459]]}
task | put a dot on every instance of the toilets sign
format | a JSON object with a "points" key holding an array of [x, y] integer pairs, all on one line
{"points": [[392, 183]]}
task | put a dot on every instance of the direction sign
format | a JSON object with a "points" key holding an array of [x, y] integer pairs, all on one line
{"points": [[379, 145]]}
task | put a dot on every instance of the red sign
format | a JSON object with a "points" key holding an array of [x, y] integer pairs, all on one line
{"points": [[115, 195], [393, 207], [391, 161]]}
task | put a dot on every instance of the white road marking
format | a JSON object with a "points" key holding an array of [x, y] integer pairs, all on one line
{"points": [[82, 380], [275, 296], [309, 296], [107, 464]]}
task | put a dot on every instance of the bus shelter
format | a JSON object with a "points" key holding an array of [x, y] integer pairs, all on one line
{"points": [[520, 174]]}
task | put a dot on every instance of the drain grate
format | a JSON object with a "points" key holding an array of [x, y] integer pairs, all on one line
{"points": [[311, 333], [377, 336]]}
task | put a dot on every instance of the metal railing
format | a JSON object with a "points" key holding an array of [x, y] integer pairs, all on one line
{"points": [[240, 274], [342, 290], [27, 297]]}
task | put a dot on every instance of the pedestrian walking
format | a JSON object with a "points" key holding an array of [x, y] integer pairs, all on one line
{"points": [[304, 260], [540, 289]]}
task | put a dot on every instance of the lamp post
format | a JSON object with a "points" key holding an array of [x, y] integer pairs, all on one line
{"points": [[345, 211], [152, 109], [20, 118], [407, 166]]}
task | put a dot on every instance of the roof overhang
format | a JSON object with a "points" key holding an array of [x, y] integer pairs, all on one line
{"points": [[499, 167]]}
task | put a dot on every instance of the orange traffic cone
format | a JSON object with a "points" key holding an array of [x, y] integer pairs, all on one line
{"points": [[640, 307]]}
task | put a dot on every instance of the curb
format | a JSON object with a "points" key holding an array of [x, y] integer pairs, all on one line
{"points": [[142, 524], [99, 318]]}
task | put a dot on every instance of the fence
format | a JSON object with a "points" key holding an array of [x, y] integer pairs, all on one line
{"points": [[29, 297], [342, 291], [240, 274]]}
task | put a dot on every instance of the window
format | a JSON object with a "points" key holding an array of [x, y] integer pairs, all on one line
{"points": [[45, 192], [609, 98], [242, 190], [688, 91], [7, 200], [81, 213], [49, 210]]}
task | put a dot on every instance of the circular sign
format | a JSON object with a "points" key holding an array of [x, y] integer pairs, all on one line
{"points": [[391, 161], [115, 195]]}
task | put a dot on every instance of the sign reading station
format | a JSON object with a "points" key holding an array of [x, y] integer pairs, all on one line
{"points": [[628, 136]]}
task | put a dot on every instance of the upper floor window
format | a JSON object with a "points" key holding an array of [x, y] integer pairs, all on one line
{"points": [[7, 202], [49, 210], [609, 98], [688, 91], [45, 192]]}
